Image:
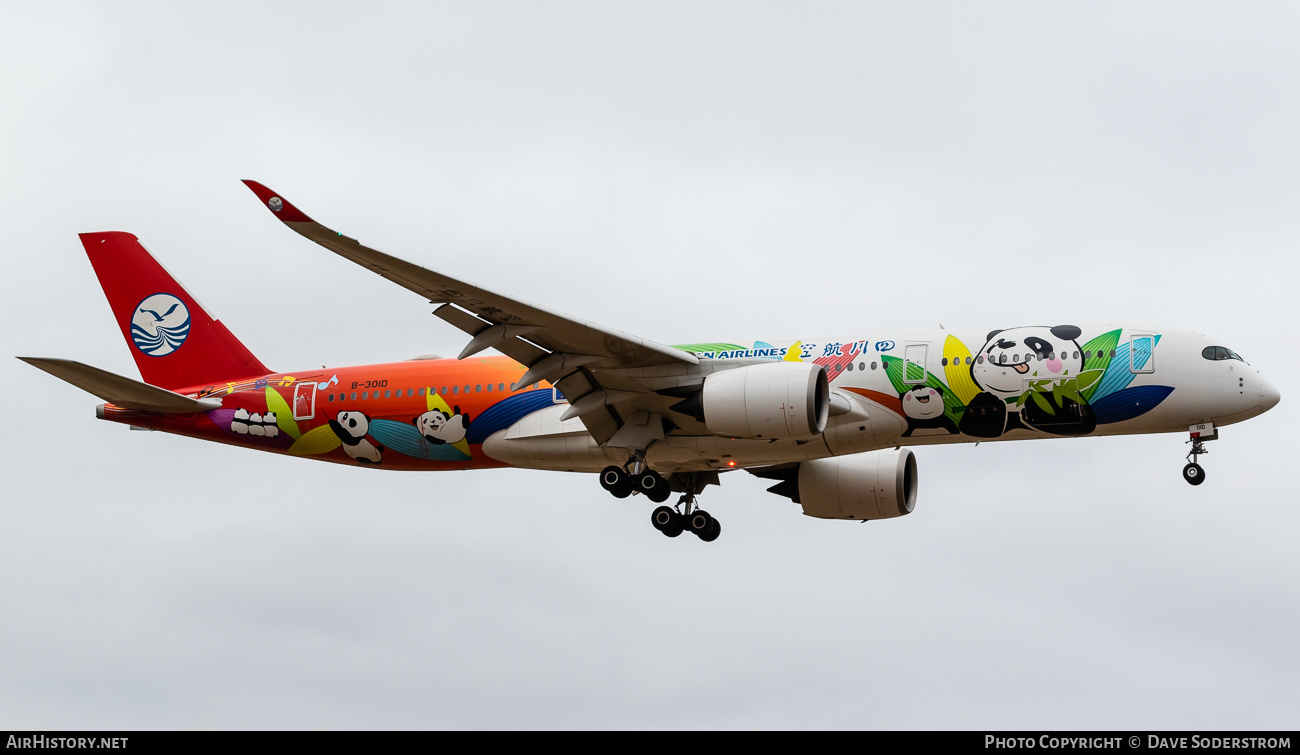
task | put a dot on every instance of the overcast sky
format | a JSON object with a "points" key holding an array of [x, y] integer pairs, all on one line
{"points": [[685, 172]]}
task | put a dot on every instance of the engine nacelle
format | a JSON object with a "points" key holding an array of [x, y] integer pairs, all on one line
{"points": [[779, 400], [874, 485]]}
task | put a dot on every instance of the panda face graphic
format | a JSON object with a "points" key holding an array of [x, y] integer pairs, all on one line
{"points": [[431, 422], [1012, 356], [355, 424], [351, 427], [437, 426], [923, 402]]}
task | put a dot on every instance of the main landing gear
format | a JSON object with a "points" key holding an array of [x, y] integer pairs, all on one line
{"points": [[636, 477], [673, 522], [622, 482]]}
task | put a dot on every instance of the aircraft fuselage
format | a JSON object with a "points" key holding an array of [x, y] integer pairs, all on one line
{"points": [[1017, 383]]}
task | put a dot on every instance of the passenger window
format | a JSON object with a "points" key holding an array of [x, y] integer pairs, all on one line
{"points": [[363, 395], [943, 362], [467, 389], [388, 394], [455, 389], [873, 365], [330, 398], [354, 395], [862, 366], [477, 389], [443, 391], [421, 391], [501, 387]]}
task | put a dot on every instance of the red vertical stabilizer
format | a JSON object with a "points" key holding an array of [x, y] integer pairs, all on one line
{"points": [[174, 341]]}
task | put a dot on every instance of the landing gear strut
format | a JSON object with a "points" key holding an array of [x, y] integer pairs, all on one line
{"points": [[1193, 472]]}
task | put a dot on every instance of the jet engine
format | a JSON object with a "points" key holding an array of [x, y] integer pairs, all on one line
{"points": [[774, 401], [874, 485]]}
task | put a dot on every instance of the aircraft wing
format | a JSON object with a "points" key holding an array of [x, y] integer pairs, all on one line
{"points": [[565, 350]]}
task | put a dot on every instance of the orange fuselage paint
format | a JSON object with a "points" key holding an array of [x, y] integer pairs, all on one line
{"points": [[393, 396]]}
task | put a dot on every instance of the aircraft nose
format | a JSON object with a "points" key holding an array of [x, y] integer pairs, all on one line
{"points": [[1268, 394]]}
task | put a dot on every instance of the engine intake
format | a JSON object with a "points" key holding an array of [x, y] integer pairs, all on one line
{"points": [[874, 485], [780, 400]]}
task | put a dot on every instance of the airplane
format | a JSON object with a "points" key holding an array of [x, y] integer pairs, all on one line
{"points": [[831, 421]]}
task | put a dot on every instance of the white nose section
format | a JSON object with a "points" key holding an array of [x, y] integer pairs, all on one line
{"points": [[1268, 395]]}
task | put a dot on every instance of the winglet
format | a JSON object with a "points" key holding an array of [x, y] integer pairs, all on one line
{"points": [[277, 204]]}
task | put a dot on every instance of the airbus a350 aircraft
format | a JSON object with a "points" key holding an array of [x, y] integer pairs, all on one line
{"points": [[830, 421]]}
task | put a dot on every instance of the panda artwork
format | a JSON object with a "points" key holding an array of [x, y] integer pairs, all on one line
{"points": [[255, 424], [1004, 369], [270, 425], [239, 424], [351, 428], [438, 427], [923, 406]]}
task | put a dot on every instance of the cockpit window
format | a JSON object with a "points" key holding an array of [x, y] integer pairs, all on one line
{"points": [[1220, 353]]}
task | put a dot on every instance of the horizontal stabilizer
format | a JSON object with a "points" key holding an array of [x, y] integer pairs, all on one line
{"points": [[122, 391]]}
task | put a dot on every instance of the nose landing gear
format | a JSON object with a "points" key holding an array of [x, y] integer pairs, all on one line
{"points": [[1193, 472]]}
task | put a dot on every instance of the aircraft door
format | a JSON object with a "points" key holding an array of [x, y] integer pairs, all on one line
{"points": [[914, 363], [1052, 401], [1141, 359], [304, 401]]}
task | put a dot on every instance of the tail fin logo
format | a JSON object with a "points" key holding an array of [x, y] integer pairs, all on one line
{"points": [[160, 325], [275, 203]]}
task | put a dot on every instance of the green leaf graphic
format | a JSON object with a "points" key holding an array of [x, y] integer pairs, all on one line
{"points": [[1098, 350], [318, 441], [1043, 403], [283, 414]]}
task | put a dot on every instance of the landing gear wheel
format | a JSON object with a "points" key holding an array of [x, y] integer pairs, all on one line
{"points": [[700, 523], [667, 521], [616, 481], [1194, 474], [713, 532], [653, 486]]}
